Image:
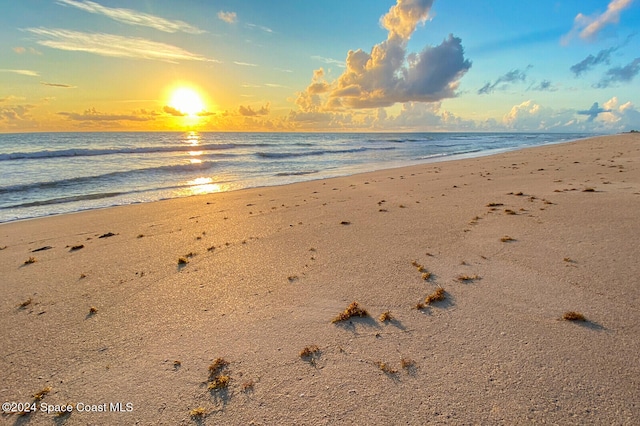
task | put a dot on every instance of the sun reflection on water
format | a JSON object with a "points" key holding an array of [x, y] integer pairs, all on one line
{"points": [[193, 138], [203, 185]]}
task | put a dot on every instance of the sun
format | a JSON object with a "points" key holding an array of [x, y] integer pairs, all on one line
{"points": [[187, 101]]}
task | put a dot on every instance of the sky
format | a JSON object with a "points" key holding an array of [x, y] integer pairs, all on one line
{"points": [[333, 65]]}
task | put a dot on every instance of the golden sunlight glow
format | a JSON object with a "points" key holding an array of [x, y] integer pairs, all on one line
{"points": [[203, 185], [187, 101]]}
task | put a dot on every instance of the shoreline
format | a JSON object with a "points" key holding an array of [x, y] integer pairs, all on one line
{"points": [[350, 171], [516, 240]]}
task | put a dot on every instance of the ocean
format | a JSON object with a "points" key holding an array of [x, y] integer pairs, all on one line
{"points": [[52, 173]]}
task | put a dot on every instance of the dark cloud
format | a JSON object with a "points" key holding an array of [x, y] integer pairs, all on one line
{"points": [[250, 112], [172, 111], [593, 112], [543, 86], [93, 115], [620, 74], [65, 86], [513, 76], [591, 61]]}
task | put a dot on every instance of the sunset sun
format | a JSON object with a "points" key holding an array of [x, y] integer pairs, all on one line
{"points": [[187, 101]]}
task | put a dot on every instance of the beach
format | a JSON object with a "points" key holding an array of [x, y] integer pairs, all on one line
{"points": [[122, 312]]}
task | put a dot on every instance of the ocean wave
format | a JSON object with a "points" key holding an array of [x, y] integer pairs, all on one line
{"points": [[88, 152], [274, 155], [310, 172], [82, 180]]}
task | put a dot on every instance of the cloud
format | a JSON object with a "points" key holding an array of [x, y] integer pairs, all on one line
{"points": [[513, 76], [228, 17], [65, 86], [623, 117], [28, 73], [245, 64], [543, 86], [173, 111], [588, 27], [132, 17], [403, 17], [250, 112], [389, 74], [259, 27], [113, 45], [593, 112], [15, 112], [591, 61], [603, 57], [22, 50], [620, 74], [418, 116], [93, 115], [329, 61]]}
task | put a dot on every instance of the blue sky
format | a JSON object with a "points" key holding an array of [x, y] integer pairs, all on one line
{"points": [[404, 65]]}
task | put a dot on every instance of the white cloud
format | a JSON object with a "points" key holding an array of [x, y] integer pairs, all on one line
{"points": [[245, 64], [228, 17], [28, 73], [389, 74], [259, 27], [403, 17], [113, 45], [588, 27], [329, 61], [133, 17]]}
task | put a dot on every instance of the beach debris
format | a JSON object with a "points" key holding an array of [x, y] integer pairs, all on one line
{"points": [[93, 310], [39, 395], [107, 235], [30, 260], [78, 247], [41, 249], [465, 278], [573, 316], [310, 352], [588, 190], [353, 310], [506, 239], [219, 382], [248, 385], [26, 303], [386, 368], [407, 363], [437, 296], [182, 261], [345, 222], [385, 316], [199, 412], [217, 366], [217, 379]]}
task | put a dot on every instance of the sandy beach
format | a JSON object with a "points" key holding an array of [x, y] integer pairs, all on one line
{"points": [[135, 304]]}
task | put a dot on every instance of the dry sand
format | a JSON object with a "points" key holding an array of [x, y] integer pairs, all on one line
{"points": [[270, 268]]}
